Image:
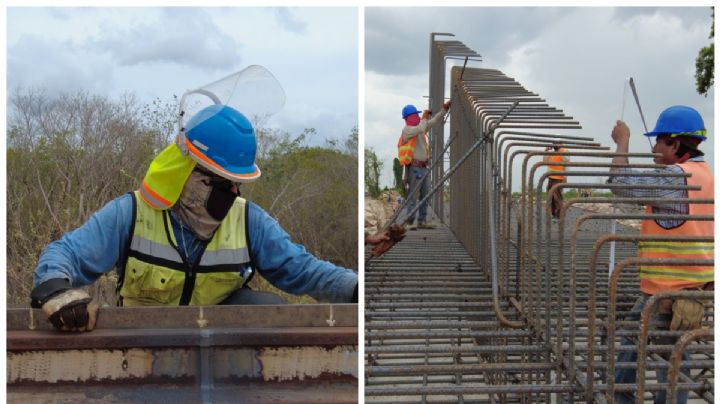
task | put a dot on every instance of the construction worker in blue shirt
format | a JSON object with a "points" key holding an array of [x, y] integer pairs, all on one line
{"points": [[185, 237]]}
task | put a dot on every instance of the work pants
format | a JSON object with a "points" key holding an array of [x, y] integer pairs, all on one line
{"points": [[416, 175], [557, 198], [629, 376]]}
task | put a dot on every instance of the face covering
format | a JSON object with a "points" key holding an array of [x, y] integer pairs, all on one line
{"points": [[413, 120], [204, 202]]}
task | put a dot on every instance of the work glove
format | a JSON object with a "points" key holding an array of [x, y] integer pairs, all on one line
{"points": [[446, 106], [687, 314], [425, 114], [66, 308], [395, 233]]}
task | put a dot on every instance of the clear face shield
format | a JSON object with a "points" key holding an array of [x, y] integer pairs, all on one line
{"points": [[253, 91]]}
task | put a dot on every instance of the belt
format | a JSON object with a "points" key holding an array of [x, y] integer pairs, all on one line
{"points": [[419, 163]]}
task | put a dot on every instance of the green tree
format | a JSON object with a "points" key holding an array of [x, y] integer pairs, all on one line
{"points": [[312, 192], [351, 143], [398, 174], [67, 156], [372, 173], [705, 63]]}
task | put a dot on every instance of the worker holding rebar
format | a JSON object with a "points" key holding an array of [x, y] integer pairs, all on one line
{"points": [[186, 237], [414, 156], [678, 134], [556, 177]]}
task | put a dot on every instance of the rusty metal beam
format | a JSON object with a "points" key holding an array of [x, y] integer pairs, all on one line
{"points": [[144, 338], [310, 315], [208, 353]]}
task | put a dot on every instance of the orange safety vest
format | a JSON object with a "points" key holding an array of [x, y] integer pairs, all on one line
{"points": [[552, 168], [406, 151], [658, 278]]}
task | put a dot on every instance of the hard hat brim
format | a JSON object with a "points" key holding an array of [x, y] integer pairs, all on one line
{"points": [[235, 174]]}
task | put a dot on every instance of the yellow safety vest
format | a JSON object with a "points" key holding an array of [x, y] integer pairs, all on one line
{"points": [[155, 273], [406, 151], [659, 278]]}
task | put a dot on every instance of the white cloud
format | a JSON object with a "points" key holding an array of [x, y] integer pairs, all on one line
{"points": [[289, 21], [39, 62], [160, 52], [182, 36], [576, 58]]}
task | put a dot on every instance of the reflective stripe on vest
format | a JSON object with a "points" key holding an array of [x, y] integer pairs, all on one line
{"points": [[406, 151], [155, 273], [663, 278], [556, 168]]}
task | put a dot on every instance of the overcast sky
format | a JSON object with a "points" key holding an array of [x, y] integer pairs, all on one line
{"points": [[576, 58], [161, 52]]}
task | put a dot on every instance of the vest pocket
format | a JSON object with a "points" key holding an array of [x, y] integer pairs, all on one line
{"points": [[153, 285], [214, 287]]}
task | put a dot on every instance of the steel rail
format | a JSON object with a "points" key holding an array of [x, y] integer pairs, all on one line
{"points": [[200, 353]]}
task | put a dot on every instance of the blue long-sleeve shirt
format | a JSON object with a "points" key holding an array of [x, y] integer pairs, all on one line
{"points": [[101, 244]]}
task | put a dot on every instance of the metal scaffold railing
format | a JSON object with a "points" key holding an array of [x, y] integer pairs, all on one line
{"points": [[506, 303]]}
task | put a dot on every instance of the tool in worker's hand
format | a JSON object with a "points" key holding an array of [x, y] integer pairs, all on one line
{"points": [[625, 90], [611, 259], [637, 101]]}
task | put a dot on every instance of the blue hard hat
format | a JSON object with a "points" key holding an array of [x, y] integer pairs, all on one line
{"points": [[680, 120], [409, 110], [222, 140]]}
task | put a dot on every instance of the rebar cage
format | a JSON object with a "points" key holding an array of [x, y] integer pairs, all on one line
{"points": [[505, 303]]}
